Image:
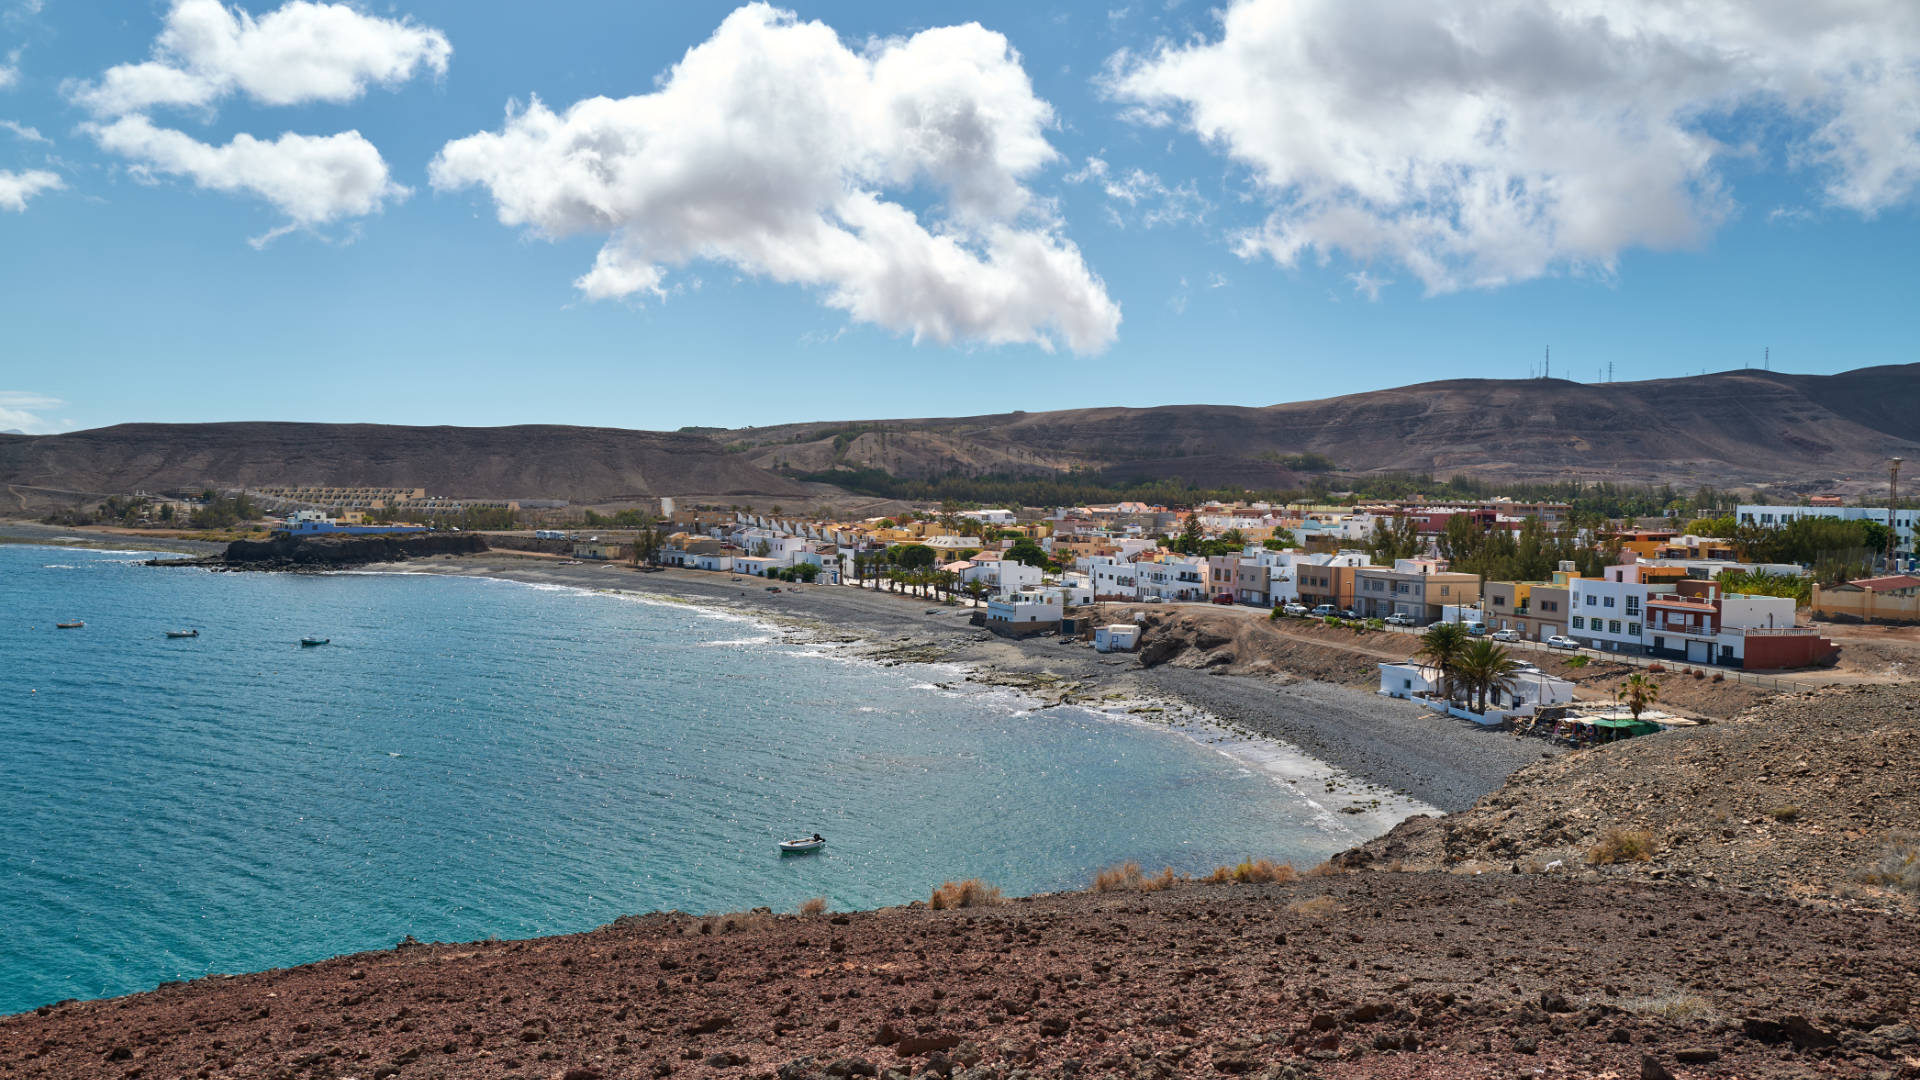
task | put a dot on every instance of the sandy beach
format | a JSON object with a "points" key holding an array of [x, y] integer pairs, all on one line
{"points": [[1365, 753]]}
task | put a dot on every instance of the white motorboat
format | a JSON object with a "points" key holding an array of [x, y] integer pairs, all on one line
{"points": [[802, 845]]}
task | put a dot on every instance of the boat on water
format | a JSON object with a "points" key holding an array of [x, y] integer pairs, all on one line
{"points": [[803, 845], [309, 642], [183, 633], [75, 625]]}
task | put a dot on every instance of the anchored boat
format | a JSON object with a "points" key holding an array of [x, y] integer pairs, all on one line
{"points": [[309, 642], [75, 625], [803, 845], [183, 633]]}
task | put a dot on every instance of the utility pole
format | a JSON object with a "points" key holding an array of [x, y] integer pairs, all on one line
{"points": [[1893, 503], [1766, 358], [1549, 369]]}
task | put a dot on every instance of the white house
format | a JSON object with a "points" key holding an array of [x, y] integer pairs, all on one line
{"points": [[1120, 637], [990, 517], [1172, 577], [1608, 613], [1904, 521], [1028, 609], [700, 560], [1004, 575], [1115, 580]]}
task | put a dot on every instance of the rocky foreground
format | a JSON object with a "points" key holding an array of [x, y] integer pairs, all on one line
{"points": [[1812, 796], [1344, 975]]}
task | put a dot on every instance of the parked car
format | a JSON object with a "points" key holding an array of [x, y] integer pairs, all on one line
{"points": [[1224, 598], [1506, 635], [1476, 628], [1295, 609], [1325, 609], [1559, 641], [1399, 618], [1349, 614], [1153, 599]]}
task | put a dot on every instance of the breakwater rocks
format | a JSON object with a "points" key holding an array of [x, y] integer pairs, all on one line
{"points": [[283, 552]]}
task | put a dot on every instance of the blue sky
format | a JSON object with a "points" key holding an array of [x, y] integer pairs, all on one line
{"points": [[1170, 203]]}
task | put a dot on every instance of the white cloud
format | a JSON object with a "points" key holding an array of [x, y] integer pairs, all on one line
{"points": [[312, 179], [17, 187], [10, 69], [770, 147], [1216, 280], [301, 52], [20, 409], [1365, 284], [22, 131], [1480, 142]]}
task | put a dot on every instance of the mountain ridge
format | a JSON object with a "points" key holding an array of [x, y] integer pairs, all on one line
{"points": [[1737, 428]]}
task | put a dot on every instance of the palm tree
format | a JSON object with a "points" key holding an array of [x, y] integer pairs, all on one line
{"points": [[1442, 646], [976, 589], [1485, 667], [1638, 692]]}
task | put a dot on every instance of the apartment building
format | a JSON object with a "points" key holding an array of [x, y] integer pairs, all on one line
{"points": [[1172, 577], [1609, 613], [1536, 609], [1419, 588], [1904, 521]]}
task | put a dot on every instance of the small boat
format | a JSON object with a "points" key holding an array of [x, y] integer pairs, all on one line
{"points": [[802, 845], [183, 633], [68, 625], [309, 642]]}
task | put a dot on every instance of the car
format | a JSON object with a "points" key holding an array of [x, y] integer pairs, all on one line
{"points": [[1399, 618], [1349, 614], [1325, 609], [1153, 599], [1295, 609], [1477, 629], [1506, 635], [1558, 641], [1224, 598], [773, 588]]}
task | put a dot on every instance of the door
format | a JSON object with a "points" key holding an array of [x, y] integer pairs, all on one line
{"points": [[1699, 652]]}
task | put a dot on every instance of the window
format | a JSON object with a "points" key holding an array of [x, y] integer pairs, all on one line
{"points": [[1613, 626], [1579, 623], [1445, 590], [1633, 605], [1592, 600], [1609, 601], [1726, 652], [1633, 629]]}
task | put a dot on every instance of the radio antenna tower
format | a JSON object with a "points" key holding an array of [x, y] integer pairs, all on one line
{"points": [[1548, 371]]}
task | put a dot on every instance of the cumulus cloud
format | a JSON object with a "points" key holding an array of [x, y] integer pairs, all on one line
{"points": [[1480, 142], [312, 179], [20, 409], [774, 148], [302, 52], [17, 187]]}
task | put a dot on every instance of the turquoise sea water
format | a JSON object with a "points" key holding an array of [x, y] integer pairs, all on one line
{"points": [[472, 758]]}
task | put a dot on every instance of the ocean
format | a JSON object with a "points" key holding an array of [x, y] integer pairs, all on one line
{"points": [[477, 758]]}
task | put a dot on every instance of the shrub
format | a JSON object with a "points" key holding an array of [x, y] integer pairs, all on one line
{"points": [[1325, 870], [1621, 845], [1274, 615], [1656, 668], [1577, 660], [1788, 812], [815, 906], [1675, 1006], [1318, 907], [1331, 620], [1163, 880], [972, 892], [1125, 877], [1222, 875], [1899, 865], [1252, 872], [1698, 674], [1719, 676]]}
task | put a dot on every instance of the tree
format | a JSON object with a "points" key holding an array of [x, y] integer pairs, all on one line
{"points": [[976, 589], [1637, 692], [1486, 667], [1188, 542], [912, 556], [1442, 646], [1028, 552], [1281, 540], [1401, 540], [1234, 538], [806, 572]]}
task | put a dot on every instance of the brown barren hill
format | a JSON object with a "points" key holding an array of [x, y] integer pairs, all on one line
{"points": [[1354, 975], [589, 465], [1727, 428], [1810, 796]]}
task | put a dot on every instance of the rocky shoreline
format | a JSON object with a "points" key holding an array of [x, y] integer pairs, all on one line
{"points": [[314, 554]]}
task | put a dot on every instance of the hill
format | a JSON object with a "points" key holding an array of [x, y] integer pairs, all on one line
{"points": [[1727, 429], [1809, 797], [580, 464], [1740, 428]]}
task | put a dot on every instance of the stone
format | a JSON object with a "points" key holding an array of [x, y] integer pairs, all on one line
{"points": [[1525, 1045], [916, 1045], [725, 1059], [1651, 1069], [1696, 1055]]}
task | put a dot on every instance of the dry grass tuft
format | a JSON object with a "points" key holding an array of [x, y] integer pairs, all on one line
{"points": [[1899, 865], [1621, 846], [972, 892], [1259, 871], [1674, 1006], [1318, 907], [1785, 813], [815, 906], [1128, 877], [1325, 870]]}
